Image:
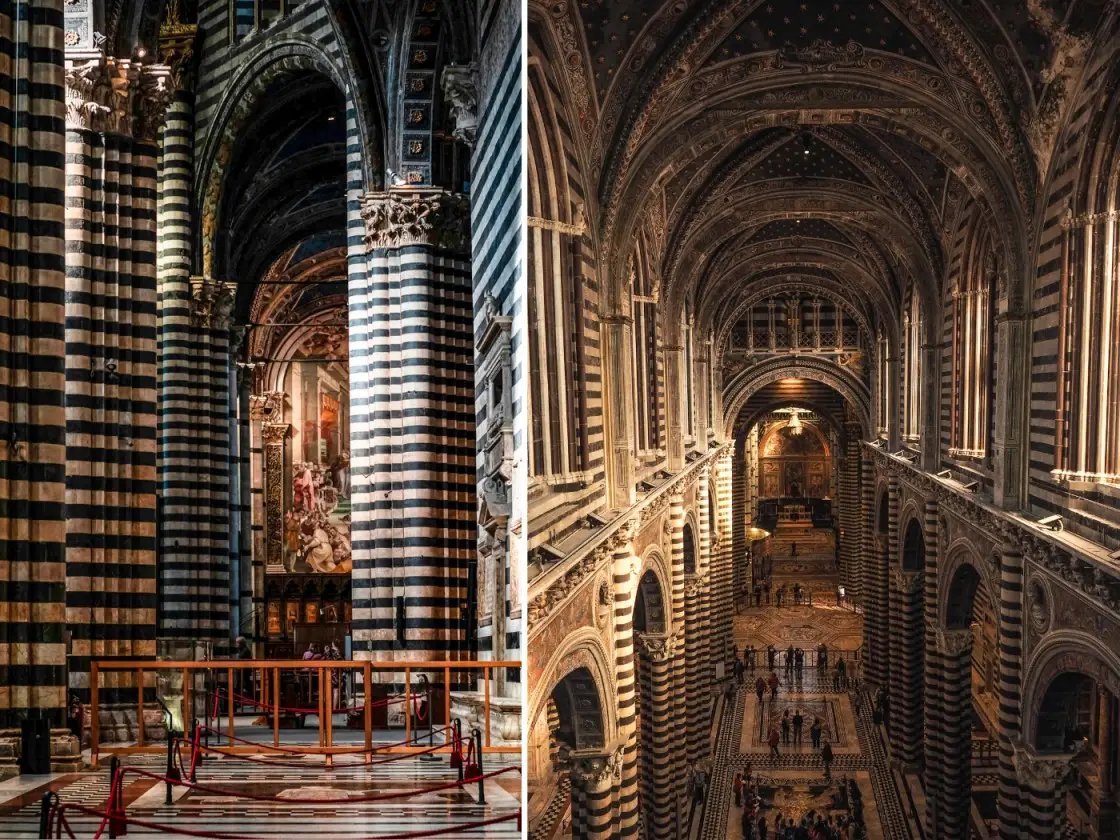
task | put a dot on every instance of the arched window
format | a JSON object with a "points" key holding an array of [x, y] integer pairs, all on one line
{"points": [[649, 397], [559, 449], [912, 386], [1087, 426], [972, 317], [883, 359]]}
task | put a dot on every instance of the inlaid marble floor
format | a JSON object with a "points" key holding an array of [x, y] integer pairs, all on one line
{"points": [[225, 812]]}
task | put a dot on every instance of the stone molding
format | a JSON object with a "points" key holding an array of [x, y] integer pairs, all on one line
{"points": [[551, 588], [417, 216]]}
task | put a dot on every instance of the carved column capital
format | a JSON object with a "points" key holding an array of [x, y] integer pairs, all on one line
{"points": [[275, 433], [906, 582], [659, 647], [460, 92], [595, 769], [417, 216], [1041, 773], [211, 302], [154, 95], [954, 642]]}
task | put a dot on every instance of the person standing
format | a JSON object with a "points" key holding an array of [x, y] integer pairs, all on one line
{"points": [[798, 723], [773, 741], [737, 786], [815, 732], [826, 757], [762, 827], [785, 728], [789, 661], [760, 689], [774, 683]]}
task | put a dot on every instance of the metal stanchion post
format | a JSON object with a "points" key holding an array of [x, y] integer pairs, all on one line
{"points": [[172, 771], [47, 805], [117, 826], [478, 752], [457, 750], [429, 756]]}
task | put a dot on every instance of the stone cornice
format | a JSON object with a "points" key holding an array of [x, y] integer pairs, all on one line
{"points": [[1076, 561], [551, 587], [417, 216]]}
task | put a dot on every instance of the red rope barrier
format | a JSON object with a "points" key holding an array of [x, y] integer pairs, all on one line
{"points": [[260, 797], [433, 832], [325, 766], [353, 751], [249, 701]]}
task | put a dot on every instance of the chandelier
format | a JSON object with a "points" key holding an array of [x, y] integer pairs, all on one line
{"points": [[794, 424]]}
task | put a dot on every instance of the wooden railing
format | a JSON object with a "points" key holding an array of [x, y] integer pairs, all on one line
{"points": [[265, 679]]}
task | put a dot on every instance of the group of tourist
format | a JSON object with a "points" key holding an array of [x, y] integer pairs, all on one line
{"points": [[794, 665], [762, 592], [812, 825]]}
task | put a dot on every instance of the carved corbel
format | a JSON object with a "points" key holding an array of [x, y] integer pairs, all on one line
{"points": [[460, 92]]}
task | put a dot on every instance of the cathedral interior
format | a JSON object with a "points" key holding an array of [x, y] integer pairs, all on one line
{"points": [[258, 272], [824, 339]]}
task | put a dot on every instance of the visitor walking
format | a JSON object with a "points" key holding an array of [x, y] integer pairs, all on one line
{"points": [[838, 678], [785, 728], [740, 669], [774, 683], [826, 757], [815, 732], [760, 688], [798, 723], [773, 741]]}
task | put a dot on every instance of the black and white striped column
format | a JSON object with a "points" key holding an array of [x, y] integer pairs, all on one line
{"points": [[623, 565], [594, 776], [193, 428], [907, 640], [869, 595], [1010, 687], [723, 603], [1042, 791], [413, 427], [949, 738], [659, 791], [111, 371], [677, 667], [850, 510], [32, 366], [698, 636]]}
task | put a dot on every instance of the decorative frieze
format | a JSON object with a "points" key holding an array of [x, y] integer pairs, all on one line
{"points": [[417, 216]]}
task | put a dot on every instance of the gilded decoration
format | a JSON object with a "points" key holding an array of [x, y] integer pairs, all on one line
{"points": [[421, 216]]}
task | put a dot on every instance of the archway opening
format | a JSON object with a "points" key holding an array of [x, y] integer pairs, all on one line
{"points": [[1065, 716], [689, 550], [914, 548]]}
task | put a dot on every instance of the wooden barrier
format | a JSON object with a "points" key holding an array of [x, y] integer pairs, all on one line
{"points": [[266, 695]]}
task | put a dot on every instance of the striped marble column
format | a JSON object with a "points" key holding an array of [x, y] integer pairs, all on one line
{"points": [[193, 430], [624, 565], [1010, 687], [594, 776], [32, 366], [111, 370], [723, 605], [874, 635], [907, 640], [413, 427], [891, 605], [850, 510], [1042, 792], [933, 678], [949, 802], [701, 663], [659, 789], [677, 667]]}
